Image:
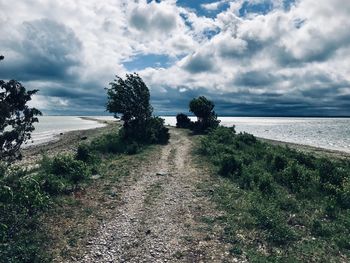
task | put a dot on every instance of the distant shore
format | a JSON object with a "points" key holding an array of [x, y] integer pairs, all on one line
{"points": [[65, 142], [68, 142], [320, 152]]}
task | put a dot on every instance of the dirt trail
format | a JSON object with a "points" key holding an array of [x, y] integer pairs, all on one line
{"points": [[158, 218]]}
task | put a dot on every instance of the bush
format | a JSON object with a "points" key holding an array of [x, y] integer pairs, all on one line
{"points": [[109, 143], [132, 148], [204, 110], [343, 194], [21, 201], [183, 121], [266, 183], [269, 218], [155, 132], [62, 173], [279, 163], [230, 167], [246, 138], [84, 153]]}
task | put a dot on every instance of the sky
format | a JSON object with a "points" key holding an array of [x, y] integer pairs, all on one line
{"points": [[250, 57]]}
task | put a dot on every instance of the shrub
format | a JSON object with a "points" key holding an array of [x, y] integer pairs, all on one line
{"points": [[62, 173], [343, 194], [204, 110], [155, 132], [109, 143], [183, 121], [328, 172], [279, 163], [132, 148], [320, 228], [246, 138], [84, 153], [230, 166], [297, 178], [21, 200], [266, 183]]}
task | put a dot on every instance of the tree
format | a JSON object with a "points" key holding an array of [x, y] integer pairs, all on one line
{"points": [[16, 118], [131, 98], [201, 107], [182, 121], [204, 110]]}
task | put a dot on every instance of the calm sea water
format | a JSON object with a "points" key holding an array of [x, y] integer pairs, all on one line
{"points": [[50, 126], [328, 133]]}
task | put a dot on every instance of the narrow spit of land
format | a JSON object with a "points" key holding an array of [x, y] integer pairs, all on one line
{"points": [[158, 218], [158, 212]]}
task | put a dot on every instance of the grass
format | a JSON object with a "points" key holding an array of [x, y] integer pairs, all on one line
{"points": [[281, 205], [48, 212]]}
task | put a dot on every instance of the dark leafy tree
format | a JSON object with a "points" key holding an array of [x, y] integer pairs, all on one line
{"points": [[204, 110], [16, 118], [131, 99], [201, 107], [183, 121]]}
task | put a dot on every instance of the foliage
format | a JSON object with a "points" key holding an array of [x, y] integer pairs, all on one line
{"points": [[21, 200], [280, 198], [204, 110], [183, 121], [155, 132], [62, 173], [130, 97], [16, 118], [201, 107]]}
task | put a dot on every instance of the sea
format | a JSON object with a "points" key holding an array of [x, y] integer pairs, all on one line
{"points": [[328, 133], [50, 127]]}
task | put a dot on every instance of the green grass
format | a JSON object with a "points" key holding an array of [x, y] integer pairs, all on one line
{"points": [[53, 190], [281, 205]]}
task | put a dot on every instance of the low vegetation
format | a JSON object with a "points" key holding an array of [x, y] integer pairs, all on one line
{"points": [[26, 195], [282, 205], [203, 109]]}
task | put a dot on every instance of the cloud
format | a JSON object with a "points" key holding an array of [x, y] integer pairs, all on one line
{"points": [[198, 62], [258, 57], [46, 50], [153, 17], [214, 6]]}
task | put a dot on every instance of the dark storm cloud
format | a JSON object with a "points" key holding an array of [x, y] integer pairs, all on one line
{"points": [[198, 63], [255, 79], [47, 51]]}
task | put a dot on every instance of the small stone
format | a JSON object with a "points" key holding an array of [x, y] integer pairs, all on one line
{"points": [[95, 176], [161, 174]]}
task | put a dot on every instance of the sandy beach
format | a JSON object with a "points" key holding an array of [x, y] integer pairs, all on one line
{"points": [[66, 142]]}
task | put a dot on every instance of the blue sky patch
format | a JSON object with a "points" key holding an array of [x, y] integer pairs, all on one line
{"points": [[196, 5], [151, 60], [258, 8]]}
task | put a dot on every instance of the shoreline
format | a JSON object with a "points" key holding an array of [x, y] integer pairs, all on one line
{"points": [[318, 151], [66, 142]]}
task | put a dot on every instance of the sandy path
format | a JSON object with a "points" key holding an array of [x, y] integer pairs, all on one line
{"points": [[157, 220]]}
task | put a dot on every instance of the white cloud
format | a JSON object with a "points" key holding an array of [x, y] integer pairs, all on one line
{"points": [[300, 53]]}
